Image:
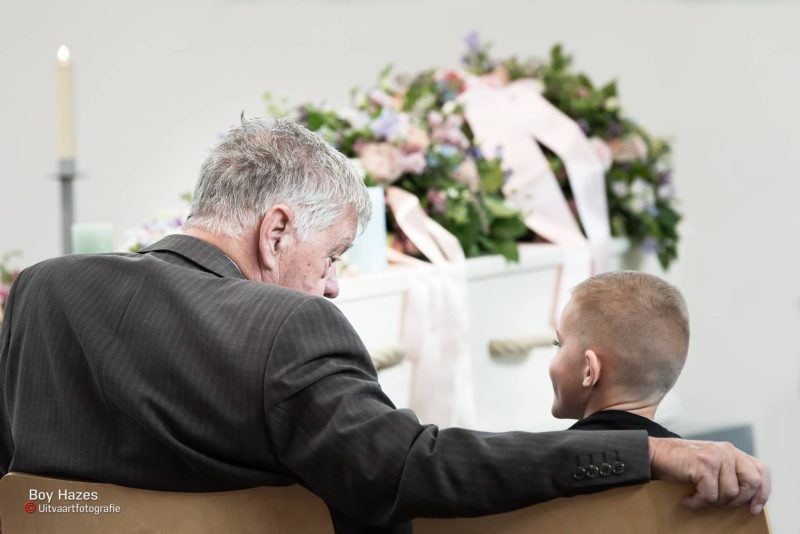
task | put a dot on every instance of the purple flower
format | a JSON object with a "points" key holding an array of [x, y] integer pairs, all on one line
{"points": [[473, 40], [615, 129], [665, 178], [386, 125], [507, 174], [476, 153], [649, 246]]}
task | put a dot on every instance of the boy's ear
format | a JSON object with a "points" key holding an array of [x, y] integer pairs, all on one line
{"points": [[592, 368]]}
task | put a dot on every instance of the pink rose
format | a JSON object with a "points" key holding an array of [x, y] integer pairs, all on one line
{"points": [[413, 162], [417, 139], [628, 149], [382, 161], [435, 119], [467, 174]]}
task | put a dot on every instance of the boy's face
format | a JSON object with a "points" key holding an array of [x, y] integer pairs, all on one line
{"points": [[567, 368]]}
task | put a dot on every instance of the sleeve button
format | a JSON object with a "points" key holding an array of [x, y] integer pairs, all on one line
{"points": [[618, 468], [579, 473], [605, 469], [592, 470]]}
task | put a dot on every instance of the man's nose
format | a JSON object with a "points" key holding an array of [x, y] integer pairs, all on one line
{"points": [[331, 284]]}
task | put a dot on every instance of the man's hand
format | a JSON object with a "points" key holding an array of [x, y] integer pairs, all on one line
{"points": [[721, 473]]}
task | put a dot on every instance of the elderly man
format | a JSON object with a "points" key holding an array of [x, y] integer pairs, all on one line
{"points": [[209, 361]]}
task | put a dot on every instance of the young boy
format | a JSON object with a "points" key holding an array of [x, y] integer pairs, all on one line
{"points": [[622, 341]]}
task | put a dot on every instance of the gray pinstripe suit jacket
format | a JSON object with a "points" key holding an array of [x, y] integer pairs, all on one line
{"points": [[168, 370]]}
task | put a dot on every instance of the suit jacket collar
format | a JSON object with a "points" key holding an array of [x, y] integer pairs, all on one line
{"points": [[197, 251]]}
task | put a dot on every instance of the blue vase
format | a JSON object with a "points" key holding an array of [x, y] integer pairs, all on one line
{"points": [[368, 253]]}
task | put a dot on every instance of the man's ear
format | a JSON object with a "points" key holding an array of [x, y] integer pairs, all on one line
{"points": [[592, 368], [273, 234]]}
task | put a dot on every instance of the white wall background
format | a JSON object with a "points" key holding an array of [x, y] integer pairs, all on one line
{"points": [[157, 81]]}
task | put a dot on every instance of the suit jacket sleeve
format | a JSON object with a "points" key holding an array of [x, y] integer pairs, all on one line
{"points": [[6, 443], [332, 426]]}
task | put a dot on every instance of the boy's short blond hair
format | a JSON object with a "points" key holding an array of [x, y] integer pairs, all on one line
{"points": [[638, 320]]}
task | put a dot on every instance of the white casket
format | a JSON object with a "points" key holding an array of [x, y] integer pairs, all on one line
{"points": [[510, 305]]}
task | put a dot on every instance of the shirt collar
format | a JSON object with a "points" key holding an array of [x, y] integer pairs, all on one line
{"points": [[197, 251]]}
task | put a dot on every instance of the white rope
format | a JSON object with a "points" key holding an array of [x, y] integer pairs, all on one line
{"points": [[519, 346], [386, 357]]}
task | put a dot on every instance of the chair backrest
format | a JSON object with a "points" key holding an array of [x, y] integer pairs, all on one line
{"points": [[653, 508], [276, 510]]}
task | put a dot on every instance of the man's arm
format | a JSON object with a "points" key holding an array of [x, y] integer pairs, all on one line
{"points": [[331, 425], [722, 474], [6, 442]]}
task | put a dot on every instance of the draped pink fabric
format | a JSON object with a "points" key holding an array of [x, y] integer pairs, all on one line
{"points": [[435, 317]]}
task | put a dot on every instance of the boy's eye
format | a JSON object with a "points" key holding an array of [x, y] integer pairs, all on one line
{"points": [[556, 343]]}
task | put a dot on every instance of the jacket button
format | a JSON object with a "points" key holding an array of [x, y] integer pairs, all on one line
{"points": [[605, 469], [579, 473], [618, 468], [592, 470]]}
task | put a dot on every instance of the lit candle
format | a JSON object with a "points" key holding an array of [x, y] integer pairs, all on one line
{"points": [[66, 119]]}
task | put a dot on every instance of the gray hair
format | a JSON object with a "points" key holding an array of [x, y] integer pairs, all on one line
{"points": [[265, 162]]}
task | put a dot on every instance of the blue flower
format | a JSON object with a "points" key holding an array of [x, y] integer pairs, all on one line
{"points": [[447, 151]]}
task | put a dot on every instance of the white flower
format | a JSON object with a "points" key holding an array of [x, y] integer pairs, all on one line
{"points": [[620, 189], [639, 186], [666, 191], [643, 195], [637, 205], [611, 103], [357, 118]]}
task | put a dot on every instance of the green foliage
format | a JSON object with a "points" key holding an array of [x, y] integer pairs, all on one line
{"points": [[6, 273]]}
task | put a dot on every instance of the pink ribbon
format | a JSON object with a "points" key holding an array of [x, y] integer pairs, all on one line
{"points": [[512, 118]]}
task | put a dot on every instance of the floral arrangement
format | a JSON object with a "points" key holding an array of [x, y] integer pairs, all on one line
{"points": [[410, 131], [7, 276], [167, 223]]}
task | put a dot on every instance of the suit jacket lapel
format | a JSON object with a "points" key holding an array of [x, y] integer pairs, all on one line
{"points": [[197, 251]]}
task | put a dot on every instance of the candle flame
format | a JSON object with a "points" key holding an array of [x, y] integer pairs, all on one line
{"points": [[63, 54]]}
